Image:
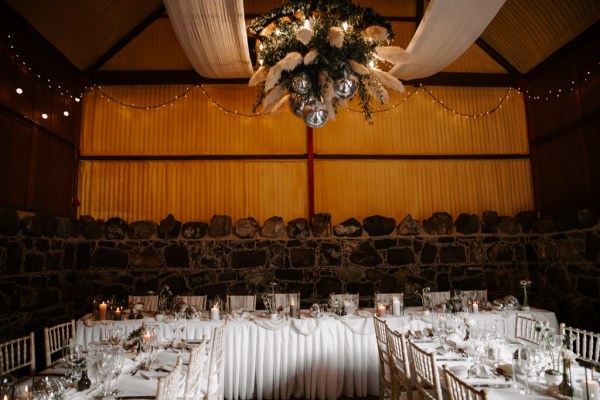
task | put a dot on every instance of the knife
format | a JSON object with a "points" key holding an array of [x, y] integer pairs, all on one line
{"points": [[493, 385]]}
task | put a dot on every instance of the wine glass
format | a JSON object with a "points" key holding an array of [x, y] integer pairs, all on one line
{"points": [[117, 353], [115, 335], [105, 368], [526, 363], [73, 356]]}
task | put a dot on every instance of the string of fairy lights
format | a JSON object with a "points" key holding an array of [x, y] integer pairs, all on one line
{"points": [[57, 88], [548, 95]]}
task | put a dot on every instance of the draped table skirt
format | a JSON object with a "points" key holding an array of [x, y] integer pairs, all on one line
{"points": [[324, 358]]}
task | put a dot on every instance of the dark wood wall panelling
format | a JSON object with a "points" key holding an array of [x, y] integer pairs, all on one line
{"points": [[37, 156], [564, 132]]}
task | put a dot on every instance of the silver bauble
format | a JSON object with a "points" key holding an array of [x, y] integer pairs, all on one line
{"points": [[346, 87], [511, 302], [301, 83], [297, 105], [315, 113]]}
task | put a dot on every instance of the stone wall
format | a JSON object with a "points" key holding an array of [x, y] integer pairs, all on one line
{"points": [[51, 268]]}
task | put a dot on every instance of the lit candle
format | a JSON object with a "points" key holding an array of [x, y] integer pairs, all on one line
{"points": [[396, 306], [475, 307], [292, 309], [214, 313], [381, 310], [118, 314], [562, 329], [147, 337], [102, 309]]}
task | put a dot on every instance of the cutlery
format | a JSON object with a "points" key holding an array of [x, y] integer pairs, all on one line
{"points": [[492, 385]]}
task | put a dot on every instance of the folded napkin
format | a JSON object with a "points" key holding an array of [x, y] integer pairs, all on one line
{"points": [[442, 350], [505, 369], [481, 371], [153, 374]]}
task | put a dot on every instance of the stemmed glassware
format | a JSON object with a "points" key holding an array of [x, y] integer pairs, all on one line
{"points": [[526, 364], [117, 353], [115, 334], [73, 357], [105, 369]]}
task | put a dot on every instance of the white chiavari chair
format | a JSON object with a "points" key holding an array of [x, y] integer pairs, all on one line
{"points": [[150, 302], [56, 338], [193, 382], [248, 303], [168, 386], [461, 390], [400, 364], [18, 353], [198, 302], [213, 380], [438, 298], [527, 329], [585, 344], [427, 377], [385, 373]]}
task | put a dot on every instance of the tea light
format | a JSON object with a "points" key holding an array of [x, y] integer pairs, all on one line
{"points": [[396, 306], [214, 314], [381, 310], [118, 314], [102, 308]]}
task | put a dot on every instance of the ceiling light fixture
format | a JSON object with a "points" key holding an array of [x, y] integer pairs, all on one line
{"points": [[315, 55]]}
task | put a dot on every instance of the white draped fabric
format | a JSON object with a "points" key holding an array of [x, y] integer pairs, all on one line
{"points": [[213, 36], [447, 30], [324, 358]]}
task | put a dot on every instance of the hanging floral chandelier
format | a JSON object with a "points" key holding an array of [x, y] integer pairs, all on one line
{"points": [[317, 55]]}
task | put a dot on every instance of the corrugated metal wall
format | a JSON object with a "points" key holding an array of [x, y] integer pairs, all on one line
{"points": [[345, 187]]}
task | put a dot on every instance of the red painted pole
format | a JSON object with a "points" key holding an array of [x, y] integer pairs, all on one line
{"points": [[311, 172]]}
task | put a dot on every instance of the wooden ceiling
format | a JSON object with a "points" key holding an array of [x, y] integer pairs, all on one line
{"points": [[132, 41]]}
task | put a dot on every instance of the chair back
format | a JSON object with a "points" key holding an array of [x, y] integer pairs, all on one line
{"points": [[585, 344], [438, 298], [400, 364], [215, 387], [193, 383], [57, 338], [385, 373], [461, 390], [18, 353], [198, 302], [248, 303], [427, 377], [526, 329], [283, 300], [168, 386], [150, 302]]}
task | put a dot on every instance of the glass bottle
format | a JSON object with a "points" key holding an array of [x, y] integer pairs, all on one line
{"points": [[85, 382]]}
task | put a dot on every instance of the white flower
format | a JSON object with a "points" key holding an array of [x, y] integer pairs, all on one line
{"points": [[376, 33], [304, 35], [336, 37]]}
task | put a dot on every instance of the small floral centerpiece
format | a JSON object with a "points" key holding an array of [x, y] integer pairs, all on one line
{"points": [[165, 299], [525, 284], [425, 296], [568, 358], [269, 299]]}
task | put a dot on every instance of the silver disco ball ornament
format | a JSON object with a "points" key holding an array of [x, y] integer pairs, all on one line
{"points": [[297, 105], [315, 113], [511, 302], [301, 83], [345, 87]]}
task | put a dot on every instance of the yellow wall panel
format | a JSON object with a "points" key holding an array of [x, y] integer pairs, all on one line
{"points": [[420, 125], [397, 188], [193, 190], [188, 125]]}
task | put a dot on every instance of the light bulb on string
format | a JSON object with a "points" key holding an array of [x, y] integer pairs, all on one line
{"points": [[44, 116], [19, 90]]}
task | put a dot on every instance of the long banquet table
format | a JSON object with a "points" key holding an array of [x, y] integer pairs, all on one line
{"points": [[317, 358]]}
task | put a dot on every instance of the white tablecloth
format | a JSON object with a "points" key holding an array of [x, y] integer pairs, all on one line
{"points": [[312, 358]]}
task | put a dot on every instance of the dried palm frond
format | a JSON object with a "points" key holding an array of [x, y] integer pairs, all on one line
{"points": [[304, 35], [280, 104], [358, 67], [377, 91], [376, 33], [272, 98], [259, 76], [336, 37], [394, 54], [387, 80], [310, 56]]}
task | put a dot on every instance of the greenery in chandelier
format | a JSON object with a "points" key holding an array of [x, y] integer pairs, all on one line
{"points": [[323, 50]]}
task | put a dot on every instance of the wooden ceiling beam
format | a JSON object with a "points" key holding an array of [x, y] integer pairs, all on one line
{"points": [[124, 41], [487, 48]]}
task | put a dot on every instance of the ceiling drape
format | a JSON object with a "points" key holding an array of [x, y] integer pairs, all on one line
{"points": [[447, 30], [213, 36]]}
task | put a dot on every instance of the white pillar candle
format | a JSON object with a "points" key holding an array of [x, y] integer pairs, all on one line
{"points": [[396, 307], [591, 387], [562, 329], [475, 307], [214, 314], [293, 309]]}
